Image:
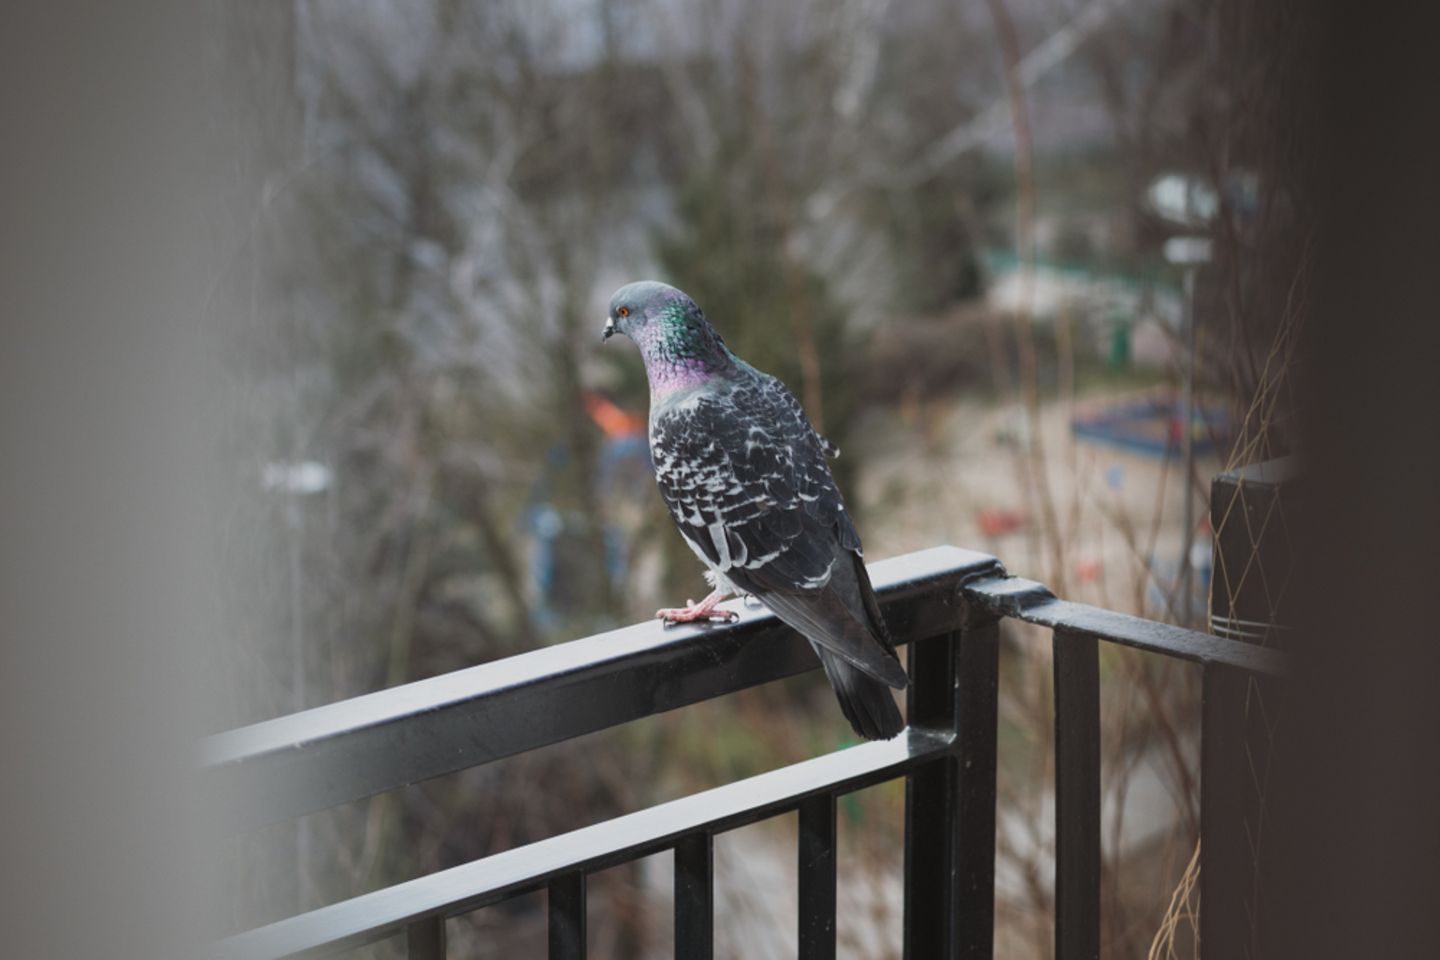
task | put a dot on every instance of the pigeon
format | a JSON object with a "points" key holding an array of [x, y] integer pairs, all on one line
{"points": [[745, 478]]}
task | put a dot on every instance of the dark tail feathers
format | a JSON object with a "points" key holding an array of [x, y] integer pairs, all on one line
{"points": [[866, 702]]}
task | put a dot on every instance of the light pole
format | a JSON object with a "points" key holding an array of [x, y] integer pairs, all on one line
{"points": [[1190, 203], [1190, 253]]}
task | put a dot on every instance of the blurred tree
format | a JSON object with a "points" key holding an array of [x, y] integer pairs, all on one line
{"points": [[773, 310], [436, 204]]}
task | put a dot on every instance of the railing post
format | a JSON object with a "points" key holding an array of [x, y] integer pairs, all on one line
{"points": [[425, 939], [930, 795], [567, 917], [1234, 766], [1077, 796], [979, 676], [695, 897], [950, 802], [816, 854]]}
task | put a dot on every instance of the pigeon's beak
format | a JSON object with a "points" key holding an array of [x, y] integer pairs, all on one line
{"points": [[609, 330]]}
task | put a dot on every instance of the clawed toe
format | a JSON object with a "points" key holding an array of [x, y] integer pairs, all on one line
{"points": [[673, 615]]}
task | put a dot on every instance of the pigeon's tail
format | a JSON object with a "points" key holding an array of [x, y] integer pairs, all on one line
{"points": [[866, 702]]}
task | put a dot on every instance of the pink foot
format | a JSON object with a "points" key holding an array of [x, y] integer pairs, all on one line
{"points": [[704, 610]]}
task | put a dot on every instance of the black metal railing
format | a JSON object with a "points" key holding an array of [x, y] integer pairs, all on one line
{"points": [[946, 602]]}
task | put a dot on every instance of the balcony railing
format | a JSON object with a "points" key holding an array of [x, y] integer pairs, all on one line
{"points": [[947, 603]]}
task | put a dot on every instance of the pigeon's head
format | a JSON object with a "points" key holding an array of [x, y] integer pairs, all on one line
{"points": [[648, 311], [680, 348]]}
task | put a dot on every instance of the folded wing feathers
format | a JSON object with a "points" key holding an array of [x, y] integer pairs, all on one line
{"points": [[745, 477]]}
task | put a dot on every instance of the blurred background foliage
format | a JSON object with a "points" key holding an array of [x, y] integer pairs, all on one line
{"points": [[435, 464]]}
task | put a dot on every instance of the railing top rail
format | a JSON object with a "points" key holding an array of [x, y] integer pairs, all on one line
{"points": [[1027, 600], [345, 751]]}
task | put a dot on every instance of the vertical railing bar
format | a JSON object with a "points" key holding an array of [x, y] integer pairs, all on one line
{"points": [[816, 855], [1077, 796], [695, 897], [1234, 752], [979, 678], [567, 916], [425, 939], [930, 807]]}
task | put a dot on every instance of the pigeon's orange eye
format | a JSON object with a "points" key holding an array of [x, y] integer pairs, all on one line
{"points": [[623, 311]]}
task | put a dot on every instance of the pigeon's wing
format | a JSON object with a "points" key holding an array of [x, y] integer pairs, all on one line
{"points": [[728, 479], [744, 476]]}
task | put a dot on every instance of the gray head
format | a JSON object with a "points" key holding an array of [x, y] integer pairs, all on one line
{"points": [[639, 306], [670, 330]]}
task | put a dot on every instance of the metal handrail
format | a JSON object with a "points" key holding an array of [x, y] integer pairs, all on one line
{"points": [[334, 754], [952, 599]]}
